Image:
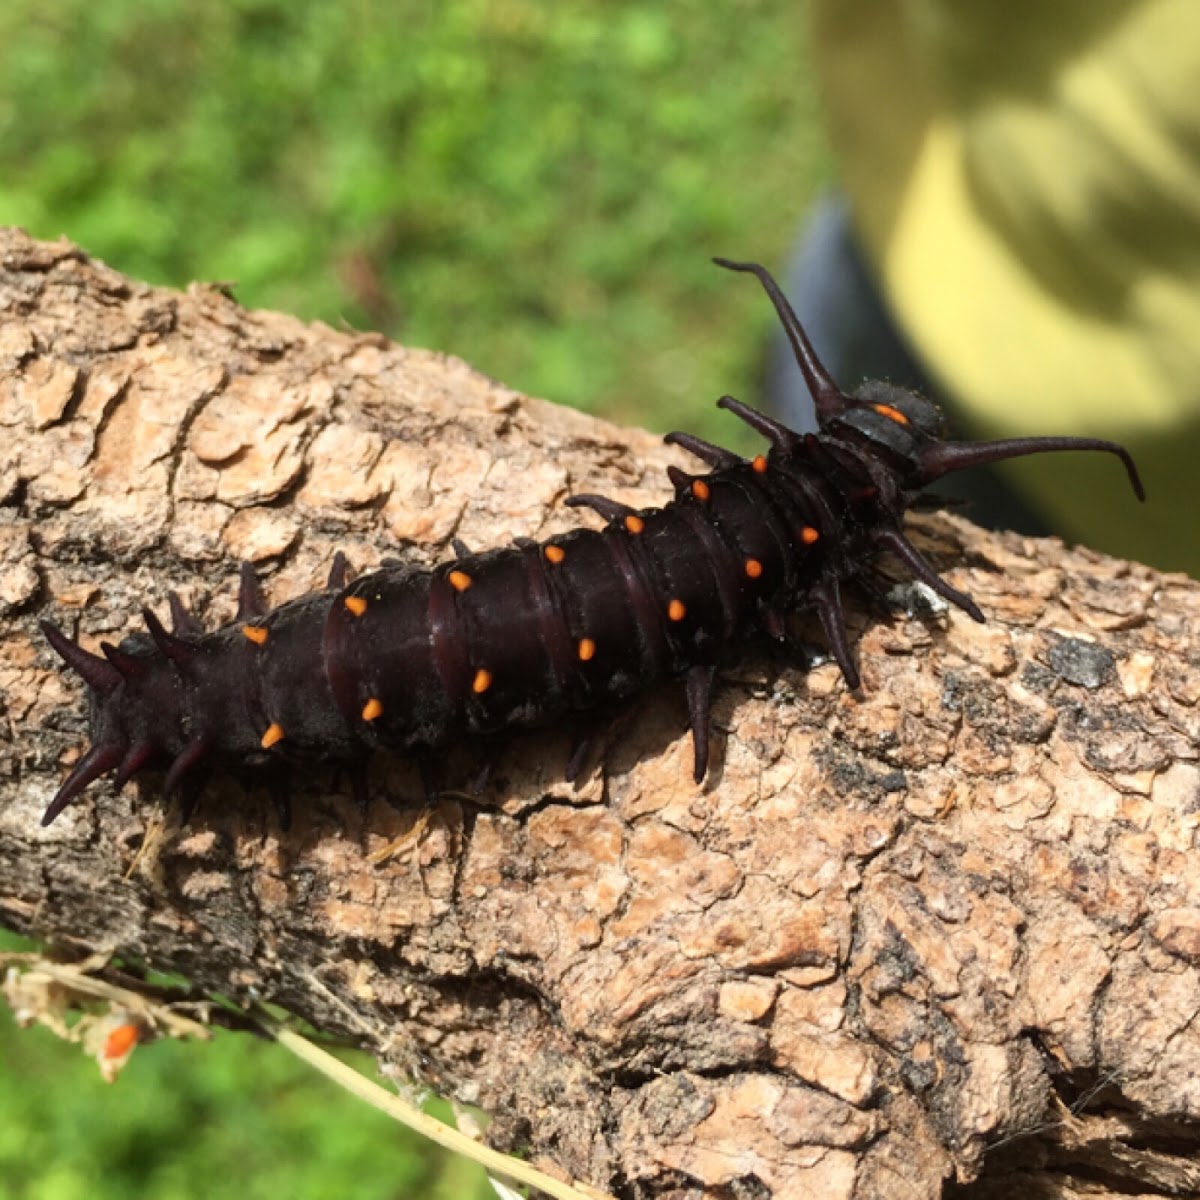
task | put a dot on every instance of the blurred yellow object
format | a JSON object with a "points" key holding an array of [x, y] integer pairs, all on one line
{"points": [[1025, 178]]}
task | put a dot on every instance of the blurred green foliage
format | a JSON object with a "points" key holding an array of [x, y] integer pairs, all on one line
{"points": [[235, 1118], [534, 186]]}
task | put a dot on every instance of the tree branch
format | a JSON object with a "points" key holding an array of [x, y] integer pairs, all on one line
{"points": [[892, 931]]}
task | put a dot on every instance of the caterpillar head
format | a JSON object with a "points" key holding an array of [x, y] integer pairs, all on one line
{"points": [[895, 423]]}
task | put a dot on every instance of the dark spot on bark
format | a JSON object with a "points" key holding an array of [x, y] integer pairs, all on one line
{"points": [[1037, 679], [1082, 663]]}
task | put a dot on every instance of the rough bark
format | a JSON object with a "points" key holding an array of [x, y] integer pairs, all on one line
{"points": [[946, 929]]}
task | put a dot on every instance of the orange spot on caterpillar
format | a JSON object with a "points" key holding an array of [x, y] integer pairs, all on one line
{"points": [[587, 649], [754, 568], [676, 610], [120, 1041], [274, 734], [460, 580], [892, 414], [701, 490], [808, 535], [356, 604], [481, 682], [372, 710], [554, 554], [634, 524], [256, 633], [760, 464]]}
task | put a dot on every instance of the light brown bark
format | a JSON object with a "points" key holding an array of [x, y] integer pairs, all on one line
{"points": [[944, 929]]}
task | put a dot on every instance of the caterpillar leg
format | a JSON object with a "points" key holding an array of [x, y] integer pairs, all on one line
{"points": [[828, 597], [583, 742], [698, 685], [895, 541]]}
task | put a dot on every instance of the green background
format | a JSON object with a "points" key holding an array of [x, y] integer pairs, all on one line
{"points": [[534, 186]]}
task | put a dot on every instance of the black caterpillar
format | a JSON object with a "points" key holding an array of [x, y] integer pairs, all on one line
{"points": [[522, 637]]}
